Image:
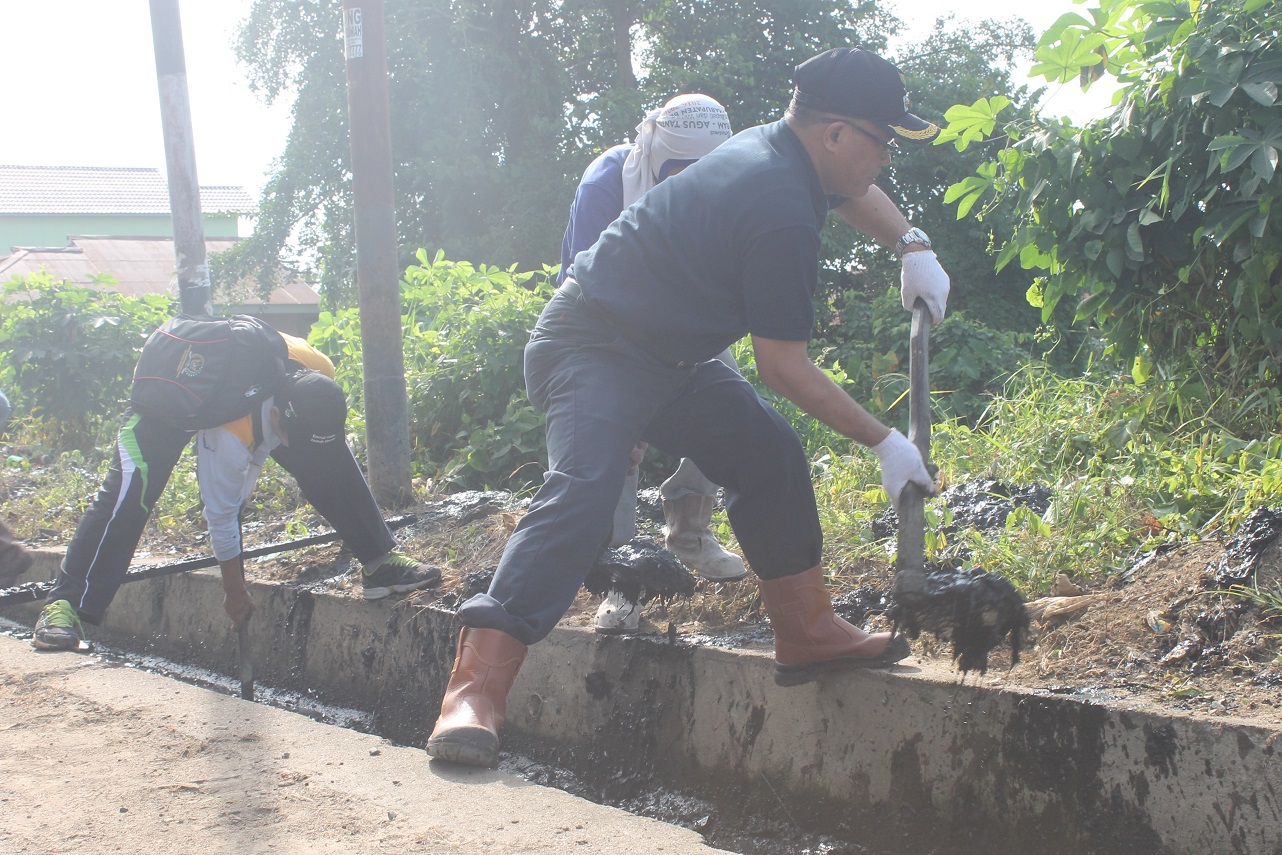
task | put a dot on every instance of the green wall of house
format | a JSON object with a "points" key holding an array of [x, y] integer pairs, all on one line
{"points": [[48, 230]]}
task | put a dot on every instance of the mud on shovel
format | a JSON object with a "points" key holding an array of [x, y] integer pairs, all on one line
{"points": [[971, 609]]}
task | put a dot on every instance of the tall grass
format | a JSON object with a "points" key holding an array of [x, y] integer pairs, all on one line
{"points": [[44, 503], [1129, 467]]}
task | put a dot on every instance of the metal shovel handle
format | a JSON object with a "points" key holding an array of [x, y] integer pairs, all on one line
{"points": [[910, 563], [919, 381]]}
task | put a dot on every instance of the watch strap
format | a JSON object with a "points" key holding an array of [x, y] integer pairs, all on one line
{"points": [[913, 235]]}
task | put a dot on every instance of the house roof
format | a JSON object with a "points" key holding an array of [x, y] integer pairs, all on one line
{"points": [[103, 190], [141, 265]]}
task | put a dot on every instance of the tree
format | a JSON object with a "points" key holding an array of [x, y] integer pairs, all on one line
{"points": [[1153, 222], [498, 107], [743, 52], [962, 63], [477, 94]]}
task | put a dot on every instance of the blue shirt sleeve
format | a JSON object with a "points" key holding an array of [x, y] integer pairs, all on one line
{"points": [[595, 207]]}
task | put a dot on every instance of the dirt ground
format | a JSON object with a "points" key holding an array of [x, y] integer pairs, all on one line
{"points": [[97, 758], [1171, 639], [1165, 637]]}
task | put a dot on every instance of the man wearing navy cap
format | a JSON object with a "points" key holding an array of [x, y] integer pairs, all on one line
{"points": [[625, 352]]}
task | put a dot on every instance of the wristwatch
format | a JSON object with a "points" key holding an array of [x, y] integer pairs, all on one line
{"points": [[913, 235]]}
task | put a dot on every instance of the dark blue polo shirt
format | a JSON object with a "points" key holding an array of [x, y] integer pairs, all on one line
{"points": [[597, 202], [727, 247]]}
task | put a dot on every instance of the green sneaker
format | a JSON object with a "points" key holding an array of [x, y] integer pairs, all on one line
{"points": [[54, 629], [396, 573]]}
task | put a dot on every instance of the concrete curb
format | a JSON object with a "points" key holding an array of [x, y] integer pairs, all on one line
{"points": [[910, 756]]}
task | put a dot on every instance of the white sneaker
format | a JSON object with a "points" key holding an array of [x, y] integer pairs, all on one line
{"points": [[617, 615]]}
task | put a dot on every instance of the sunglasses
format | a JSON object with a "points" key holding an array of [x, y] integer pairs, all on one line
{"points": [[888, 146]]}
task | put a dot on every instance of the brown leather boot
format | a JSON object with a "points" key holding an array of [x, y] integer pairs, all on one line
{"points": [[475, 702], [810, 637]]}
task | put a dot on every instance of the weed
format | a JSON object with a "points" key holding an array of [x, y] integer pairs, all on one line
{"points": [[1181, 689], [1269, 601], [45, 503]]}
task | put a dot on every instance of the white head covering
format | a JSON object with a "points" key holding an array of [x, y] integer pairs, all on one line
{"points": [[686, 128]]}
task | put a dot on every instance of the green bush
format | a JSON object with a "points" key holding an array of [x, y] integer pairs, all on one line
{"points": [[67, 355], [868, 340], [1153, 223], [1131, 465], [465, 330]]}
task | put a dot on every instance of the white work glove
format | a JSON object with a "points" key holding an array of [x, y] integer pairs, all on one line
{"points": [[923, 278], [901, 464]]}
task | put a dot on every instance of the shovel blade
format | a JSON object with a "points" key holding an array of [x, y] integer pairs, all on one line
{"points": [[246, 662]]}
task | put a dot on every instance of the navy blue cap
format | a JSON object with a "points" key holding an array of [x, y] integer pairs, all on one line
{"points": [[853, 82]]}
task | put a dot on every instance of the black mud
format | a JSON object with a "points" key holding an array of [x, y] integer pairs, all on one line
{"points": [[979, 505], [641, 571], [1241, 557], [466, 507], [973, 610], [731, 821], [303, 703], [970, 609]]}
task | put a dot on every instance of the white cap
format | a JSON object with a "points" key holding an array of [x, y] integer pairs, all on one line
{"points": [[683, 130]]}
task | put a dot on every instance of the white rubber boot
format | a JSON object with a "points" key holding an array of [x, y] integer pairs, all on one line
{"points": [[688, 497], [616, 615], [625, 512], [687, 537]]}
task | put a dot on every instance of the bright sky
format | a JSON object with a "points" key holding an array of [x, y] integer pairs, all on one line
{"points": [[81, 81]]}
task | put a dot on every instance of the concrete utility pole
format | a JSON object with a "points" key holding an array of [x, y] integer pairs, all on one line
{"points": [[180, 158], [377, 272]]}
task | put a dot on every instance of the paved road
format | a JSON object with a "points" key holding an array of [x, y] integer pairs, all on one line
{"points": [[100, 758]]}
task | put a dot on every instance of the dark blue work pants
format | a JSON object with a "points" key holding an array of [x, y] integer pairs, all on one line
{"points": [[603, 393], [146, 451]]}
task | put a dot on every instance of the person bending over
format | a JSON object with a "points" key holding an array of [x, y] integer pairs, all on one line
{"points": [[301, 426]]}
